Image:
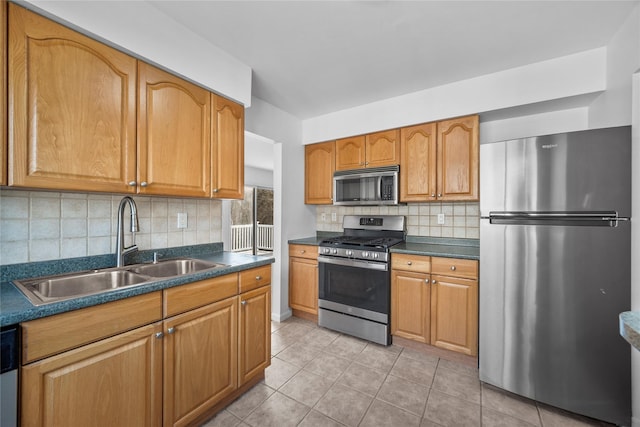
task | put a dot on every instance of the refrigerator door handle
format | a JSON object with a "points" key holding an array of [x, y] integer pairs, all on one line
{"points": [[602, 219]]}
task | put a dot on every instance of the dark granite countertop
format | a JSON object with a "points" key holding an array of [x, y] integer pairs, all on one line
{"points": [[313, 240], [440, 247], [630, 327], [431, 246], [16, 308]]}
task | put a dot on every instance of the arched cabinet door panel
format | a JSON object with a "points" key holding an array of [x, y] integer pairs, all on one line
{"points": [[72, 104]]}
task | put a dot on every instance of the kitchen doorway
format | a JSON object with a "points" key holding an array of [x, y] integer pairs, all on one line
{"points": [[252, 222]]}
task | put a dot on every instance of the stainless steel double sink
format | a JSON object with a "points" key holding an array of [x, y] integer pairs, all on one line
{"points": [[50, 289]]}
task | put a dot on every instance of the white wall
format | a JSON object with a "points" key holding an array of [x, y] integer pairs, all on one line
{"points": [[147, 33], [613, 107], [568, 76], [635, 242], [292, 218], [534, 124]]}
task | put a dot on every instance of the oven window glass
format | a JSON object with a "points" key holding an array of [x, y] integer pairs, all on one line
{"points": [[353, 189], [356, 287]]}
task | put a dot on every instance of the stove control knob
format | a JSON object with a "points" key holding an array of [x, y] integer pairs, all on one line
{"points": [[349, 252], [325, 250], [365, 254], [375, 255], [335, 251]]}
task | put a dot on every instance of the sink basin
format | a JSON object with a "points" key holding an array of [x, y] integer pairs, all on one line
{"points": [[45, 290], [175, 267]]}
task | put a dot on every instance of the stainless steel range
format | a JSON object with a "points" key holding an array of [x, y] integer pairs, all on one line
{"points": [[355, 276]]}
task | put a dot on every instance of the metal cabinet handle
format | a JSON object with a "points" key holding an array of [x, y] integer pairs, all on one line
{"points": [[439, 194], [171, 330], [433, 194], [453, 268], [258, 277], [243, 302], [409, 263], [215, 190], [433, 282], [302, 251], [132, 183], [144, 184], [159, 335]]}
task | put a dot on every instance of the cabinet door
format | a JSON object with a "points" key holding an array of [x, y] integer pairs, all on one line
{"points": [[3, 92], [418, 163], [72, 103], [350, 153], [228, 149], [113, 382], [410, 305], [382, 148], [454, 314], [255, 333], [458, 154], [319, 165], [303, 284], [200, 366], [173, 135]]}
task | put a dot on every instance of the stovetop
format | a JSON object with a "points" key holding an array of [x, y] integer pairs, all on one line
{"points": [[361, 241]]}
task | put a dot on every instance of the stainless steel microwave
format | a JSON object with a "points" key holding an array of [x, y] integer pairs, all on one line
{"points": [[374, 186]]}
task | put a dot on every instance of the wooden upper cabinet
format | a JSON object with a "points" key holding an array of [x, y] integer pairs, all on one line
{"points": [[174, 121], [350, 153], [382, 148], [458, 156], [72, 103], [368, 151], [227, 180], [418, 163], [319, 165], [3, 92]]}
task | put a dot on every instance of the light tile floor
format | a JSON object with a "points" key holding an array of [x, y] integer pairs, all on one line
{"points": [[319, 377]]}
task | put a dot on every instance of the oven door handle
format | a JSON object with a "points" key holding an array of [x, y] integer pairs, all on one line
{"points": [[380, 266]]}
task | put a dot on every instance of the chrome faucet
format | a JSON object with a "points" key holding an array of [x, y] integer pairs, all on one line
{"points": [[121, 251]]}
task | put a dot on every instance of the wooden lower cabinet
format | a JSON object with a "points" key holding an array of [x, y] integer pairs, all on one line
{"points": [[113, 382], [454, 314], [439, 309], [255, 333], [303, 279], [212, 345], [200, 360], [410, 304]]}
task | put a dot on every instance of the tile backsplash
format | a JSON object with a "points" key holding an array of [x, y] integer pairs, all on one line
{"points": [[40, 226], [461, 219]]}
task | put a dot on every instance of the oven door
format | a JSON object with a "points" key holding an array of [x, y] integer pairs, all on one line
{"points": [[363, 285]]}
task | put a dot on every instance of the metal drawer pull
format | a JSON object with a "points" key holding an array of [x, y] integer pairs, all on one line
{"points": [[453, 268], [132, 183], [243, 302], [171, 330], [302, 251], [159, 335], [143, 184], [258, 277], [409, 263]]}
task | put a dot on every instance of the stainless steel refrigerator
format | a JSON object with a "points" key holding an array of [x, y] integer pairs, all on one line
{"points": [[555, 267]]}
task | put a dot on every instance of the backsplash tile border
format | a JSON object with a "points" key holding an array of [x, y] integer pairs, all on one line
{"points": [[44, 225], [462, 219]]}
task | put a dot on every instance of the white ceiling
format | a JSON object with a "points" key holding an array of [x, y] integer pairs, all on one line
{"points": [[314, 57]]}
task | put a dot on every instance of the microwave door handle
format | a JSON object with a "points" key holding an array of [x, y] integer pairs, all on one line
{"points": [[379, 195]]}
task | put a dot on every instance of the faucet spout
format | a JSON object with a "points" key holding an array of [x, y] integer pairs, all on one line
{"points": [[121, 250]]}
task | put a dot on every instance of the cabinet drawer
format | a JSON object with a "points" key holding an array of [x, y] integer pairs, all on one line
{"points": [[455, 267], [52, 335], [303, 251], [254, 278], [409, 262], [198, 294]]}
